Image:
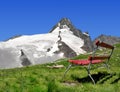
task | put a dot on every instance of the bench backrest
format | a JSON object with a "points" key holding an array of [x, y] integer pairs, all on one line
{"points": [[101, 57], [103, 44]]}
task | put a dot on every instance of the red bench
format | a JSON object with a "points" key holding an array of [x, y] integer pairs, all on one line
{"points": [[93, 59]]}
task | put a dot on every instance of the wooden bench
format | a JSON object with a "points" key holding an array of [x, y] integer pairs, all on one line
{"points": [[94, 58]]}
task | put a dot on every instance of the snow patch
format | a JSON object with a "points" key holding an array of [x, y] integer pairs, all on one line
{"points": [[86, 34]]}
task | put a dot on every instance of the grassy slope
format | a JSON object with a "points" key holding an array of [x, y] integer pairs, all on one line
{"points": [[40, 78]]}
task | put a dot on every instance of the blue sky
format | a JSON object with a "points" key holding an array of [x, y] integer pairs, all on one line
{"points": [[27, 17]]}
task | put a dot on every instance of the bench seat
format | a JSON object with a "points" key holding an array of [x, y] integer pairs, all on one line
{"points": [[84, 62]]}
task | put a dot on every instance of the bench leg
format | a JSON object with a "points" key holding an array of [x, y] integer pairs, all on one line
{"points": [[67, 70], [108, 68], [106, 65], [92, 79], [90, 76]]}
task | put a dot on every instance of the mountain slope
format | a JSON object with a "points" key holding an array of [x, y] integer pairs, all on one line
{"points": [[64, 40]]}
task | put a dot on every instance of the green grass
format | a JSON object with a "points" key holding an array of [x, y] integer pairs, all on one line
{"points": [[40, 78]]}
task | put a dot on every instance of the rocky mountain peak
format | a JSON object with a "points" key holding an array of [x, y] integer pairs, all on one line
{"points": [[66, 24], [108, 39]]}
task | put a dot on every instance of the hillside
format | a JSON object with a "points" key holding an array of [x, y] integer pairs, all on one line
{"points": [[41, 78]]}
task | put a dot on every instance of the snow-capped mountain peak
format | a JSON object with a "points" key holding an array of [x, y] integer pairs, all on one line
{"points": [[64, 23], [60, 42]]}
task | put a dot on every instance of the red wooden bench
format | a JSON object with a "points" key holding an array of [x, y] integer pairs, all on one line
{"points": [[93, 59]]}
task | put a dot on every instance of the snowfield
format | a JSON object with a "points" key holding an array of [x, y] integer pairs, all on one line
{"points": [[39, 48]]}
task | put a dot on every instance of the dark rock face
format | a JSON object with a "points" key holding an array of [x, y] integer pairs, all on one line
{"points": [[68, 52], [66, 21], [64, 48], [25, 62], [24, 59], [88, 45], [108, 39]]}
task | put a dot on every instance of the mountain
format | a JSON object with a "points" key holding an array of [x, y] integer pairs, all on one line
{"points": [[66, 23], [108, 39], [64, 40]]}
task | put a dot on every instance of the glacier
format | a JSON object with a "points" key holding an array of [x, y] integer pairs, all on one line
{"points": [[39, 48]]}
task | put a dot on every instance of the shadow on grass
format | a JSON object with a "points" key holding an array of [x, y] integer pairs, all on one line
{"points": [[101, 77], [116, 80]]}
